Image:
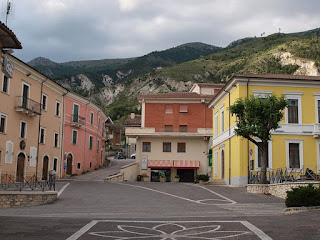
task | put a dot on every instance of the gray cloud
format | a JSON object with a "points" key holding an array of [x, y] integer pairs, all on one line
{"points": [[65, 30]]}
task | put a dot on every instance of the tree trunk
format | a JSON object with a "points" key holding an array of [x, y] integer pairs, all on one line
{"points": [[263, 148]]}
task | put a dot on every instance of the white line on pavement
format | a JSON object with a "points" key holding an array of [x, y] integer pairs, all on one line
{"points": [[186, 199], [256, 230], [62, 189], [228, 199], [83, 230]]}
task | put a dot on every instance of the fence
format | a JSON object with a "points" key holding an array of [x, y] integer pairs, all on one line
{"points": [[28, 182], [287, 175]]}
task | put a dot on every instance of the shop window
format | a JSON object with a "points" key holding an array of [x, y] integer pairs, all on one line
{"points": [[181, 147], [146, 147], [167, 147]]}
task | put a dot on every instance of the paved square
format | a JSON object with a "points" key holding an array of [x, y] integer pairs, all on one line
{"points": [[119, 229]]}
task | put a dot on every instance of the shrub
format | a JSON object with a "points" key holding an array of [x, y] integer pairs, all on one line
{"points": [[303, 197], [203, 177]]}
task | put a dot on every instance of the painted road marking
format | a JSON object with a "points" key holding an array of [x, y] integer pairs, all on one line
{"points": [[62, 189], [126, 229], [218, 194], [201, 201]]}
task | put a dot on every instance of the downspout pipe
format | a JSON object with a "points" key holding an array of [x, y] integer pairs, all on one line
{"points": [[229, 130], [39, 126], [248, 149], [62, 136]]}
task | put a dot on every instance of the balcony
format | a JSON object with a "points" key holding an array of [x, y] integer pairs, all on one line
{"points": [[316, 130], [28, 106], [172, 132], [77, 121]]}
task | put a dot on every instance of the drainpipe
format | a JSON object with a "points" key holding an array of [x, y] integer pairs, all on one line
{"points": [[248, 149], [62, 137], [229, 130], [39, 126]]}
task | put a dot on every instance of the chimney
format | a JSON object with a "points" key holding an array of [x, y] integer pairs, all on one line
{"points": [[133, 115]]}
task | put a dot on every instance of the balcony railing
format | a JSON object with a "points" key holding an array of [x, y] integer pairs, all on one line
{"points": [[24, 104], [77, 120]]}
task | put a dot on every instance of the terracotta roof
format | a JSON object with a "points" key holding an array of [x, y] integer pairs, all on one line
{"points": [[213, 85], [133, 122], [8, 38], [278, 76], [180, 95]]}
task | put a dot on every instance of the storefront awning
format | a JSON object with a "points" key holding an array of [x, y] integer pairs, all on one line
{"points": [[160, 164], [183, 164]]}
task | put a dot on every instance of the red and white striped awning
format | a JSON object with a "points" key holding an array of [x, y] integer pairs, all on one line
{"points": [[160, 163], [183, 164]]}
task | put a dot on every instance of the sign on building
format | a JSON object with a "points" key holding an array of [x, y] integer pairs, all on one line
{"points": [[144, 163], [7, 67]]}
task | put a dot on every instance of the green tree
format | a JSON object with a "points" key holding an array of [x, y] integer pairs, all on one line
{"points": [[256, 118]]}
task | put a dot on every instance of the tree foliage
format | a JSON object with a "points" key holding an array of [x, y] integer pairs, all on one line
{"points": [[256, 117]]}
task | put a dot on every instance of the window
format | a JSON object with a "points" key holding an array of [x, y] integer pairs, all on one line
{"points": [[55, 162], [183, 128], [44, 102], [57, 108], [181, 147], [99, 123], [146, 147], [294, 156], [318, 111], [168, 128], [216, 124], [183, 109], [293, 111], [166, 147], [5, 84], [42, 135], [75, 117], [168, 109], [98, 144], [23, 129], [3, 122], [74, 137], [90, 142], [56, 139], [91, 118], [222, 120], [78, 165]]}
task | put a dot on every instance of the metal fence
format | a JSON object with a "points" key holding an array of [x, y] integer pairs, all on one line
{"points": [[305, 173], [28, 182]]}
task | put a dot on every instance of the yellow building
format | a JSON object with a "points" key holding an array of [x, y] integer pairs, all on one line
{"points": [[295, 145]]}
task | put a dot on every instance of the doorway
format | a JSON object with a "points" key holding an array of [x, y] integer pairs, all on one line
{"points": [[45, 167], [25, 95], [222, 164], [186, 175], [69, 164], [20, 167]]}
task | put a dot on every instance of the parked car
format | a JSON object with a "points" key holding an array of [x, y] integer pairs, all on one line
{"points": [[133, 156], [120, 155]]}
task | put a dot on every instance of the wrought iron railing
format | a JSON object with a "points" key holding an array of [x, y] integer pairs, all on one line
{"points": [[28, 104], [305, 173], [27, 182]]}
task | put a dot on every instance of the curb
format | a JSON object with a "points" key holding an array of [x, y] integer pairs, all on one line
{"points": [[301, 209]]}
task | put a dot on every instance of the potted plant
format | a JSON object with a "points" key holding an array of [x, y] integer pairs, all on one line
{"points": [[202, 178], [176, 179], [162, 178]]}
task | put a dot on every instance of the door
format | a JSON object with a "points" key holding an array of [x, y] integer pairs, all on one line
{"points": [[20, 167], [25, 94], [69, 164], [186, 175], [222, 164], [45, 167], [75, 113]]}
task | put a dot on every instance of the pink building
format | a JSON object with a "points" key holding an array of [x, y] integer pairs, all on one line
{"points": [[84, 135]]}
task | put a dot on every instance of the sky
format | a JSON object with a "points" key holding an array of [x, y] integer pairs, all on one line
{"points": [[73, 30]]}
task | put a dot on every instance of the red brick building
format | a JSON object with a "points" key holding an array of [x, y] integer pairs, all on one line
{"points": [[174, 135]]}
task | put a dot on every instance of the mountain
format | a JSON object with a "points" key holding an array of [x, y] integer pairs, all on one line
{"points": [[114, 83]]}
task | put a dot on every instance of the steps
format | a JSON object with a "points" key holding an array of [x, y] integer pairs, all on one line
{"points": [[216, 182]]}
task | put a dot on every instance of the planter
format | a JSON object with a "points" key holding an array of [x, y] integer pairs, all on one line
{"points": [[202, 182], [176, 180], [162, 179]]}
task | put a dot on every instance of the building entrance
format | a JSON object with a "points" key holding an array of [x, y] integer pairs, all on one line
{"points": [[186, 175], [156, 173]]}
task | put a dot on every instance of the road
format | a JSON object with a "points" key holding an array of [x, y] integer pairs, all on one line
{"points": [[93, 209]]}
